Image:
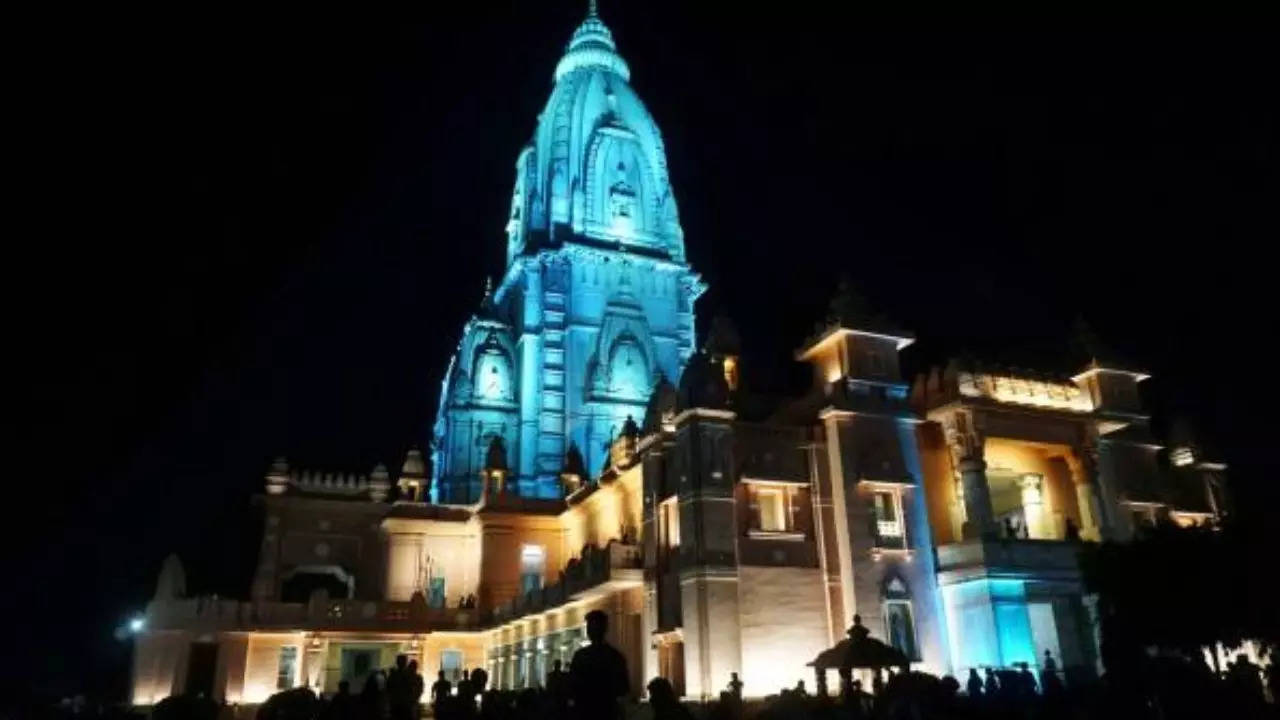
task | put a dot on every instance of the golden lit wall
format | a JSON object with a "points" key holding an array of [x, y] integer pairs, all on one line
{"points": [[157, 657], [472, 646], [783, 624], [452, 550], [262, 665], [939, 482], [233, 651], [503, 537], [600, 517]]}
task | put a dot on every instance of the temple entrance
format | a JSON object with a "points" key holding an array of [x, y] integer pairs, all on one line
{"points": [[202, 664]]}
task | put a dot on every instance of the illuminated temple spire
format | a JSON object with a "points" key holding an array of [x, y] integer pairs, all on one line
{"points": [[597, 297]]}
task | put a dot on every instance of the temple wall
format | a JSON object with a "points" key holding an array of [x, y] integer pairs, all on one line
{"points": [[158, 658], [783, 623], [232, 656], [262, 664], [503, 537], [439, 548], [473, 647], [939, 483], [601, 516]]}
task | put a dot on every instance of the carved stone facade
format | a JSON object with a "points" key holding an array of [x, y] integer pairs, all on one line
{"points": [[597, 300], [719, 533]]}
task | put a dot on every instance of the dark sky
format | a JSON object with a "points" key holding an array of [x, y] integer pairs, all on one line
{"points": [[260, 235]]}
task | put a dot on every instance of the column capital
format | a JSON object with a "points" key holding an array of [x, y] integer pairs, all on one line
{"points": [[965, 437]]}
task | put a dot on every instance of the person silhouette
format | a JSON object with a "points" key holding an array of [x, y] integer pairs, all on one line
{"points": [[663, 701], [799, 689], [372, 696], [464, 684], [398, 689], [598, 673], [857, 702], [342, 706], [990, 686], [413, 689], [974, 684], [735, 686], [1049, 680], [475, 686], [440, 690], [1027, 680], [1071, 532], [558, 687]]}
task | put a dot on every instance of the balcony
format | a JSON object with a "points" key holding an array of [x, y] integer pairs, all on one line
{"points": [[1037, 559], [616, 566]]}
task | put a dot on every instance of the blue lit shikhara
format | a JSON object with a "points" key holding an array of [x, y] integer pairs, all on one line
{"points": [[596, 301]]}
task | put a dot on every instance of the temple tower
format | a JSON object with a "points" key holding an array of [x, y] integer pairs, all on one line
{"points": [[597, 298]]}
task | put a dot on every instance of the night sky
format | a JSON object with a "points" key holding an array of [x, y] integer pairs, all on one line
{"points": [[258, 236]]}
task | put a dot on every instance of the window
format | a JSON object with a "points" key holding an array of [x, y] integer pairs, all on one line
{"points": [[451, 665], [888, 514], [772, 509], [533, 563], [287, 669], [435, 592], [669, 513], [899, 627]]}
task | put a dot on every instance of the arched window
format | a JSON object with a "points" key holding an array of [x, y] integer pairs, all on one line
{"points": [[298, 584], [899, 621]]}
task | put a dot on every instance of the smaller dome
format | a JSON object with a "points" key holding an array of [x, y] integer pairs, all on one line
{"points": [[414, 465], [703, 385]]}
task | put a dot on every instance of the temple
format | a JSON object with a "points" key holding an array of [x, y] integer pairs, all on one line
{"points": [[596, 300], [589, 454]]}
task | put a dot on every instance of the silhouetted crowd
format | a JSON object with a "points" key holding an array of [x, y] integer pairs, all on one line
{"points": [[1169, 688]]}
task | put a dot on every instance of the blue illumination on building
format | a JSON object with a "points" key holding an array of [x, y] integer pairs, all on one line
{"points": [[596, 301], [988, 624]]}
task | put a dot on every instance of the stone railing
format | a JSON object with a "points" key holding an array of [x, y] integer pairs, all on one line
{"points": [[1042, 558], [596, 567], [214, 614]]}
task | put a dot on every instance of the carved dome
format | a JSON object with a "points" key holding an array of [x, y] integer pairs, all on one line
{"points": [[414, 464], [596, 165]]}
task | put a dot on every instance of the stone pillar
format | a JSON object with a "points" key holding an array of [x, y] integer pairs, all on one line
{"points": [[313, 655], [708, 551], [979, 520], [967, 444], [1032, 487], [1084, 474]]}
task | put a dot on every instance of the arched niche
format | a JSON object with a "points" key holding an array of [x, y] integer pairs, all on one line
{"points": [[629, 375], [624, 362], [491, 375], [298, 583], [620, 198]]}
